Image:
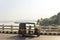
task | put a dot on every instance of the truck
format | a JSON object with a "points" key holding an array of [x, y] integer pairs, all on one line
{"points": [[28, 29]]}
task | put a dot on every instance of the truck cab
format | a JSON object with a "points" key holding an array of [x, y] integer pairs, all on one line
{"points": [[28, 29]]}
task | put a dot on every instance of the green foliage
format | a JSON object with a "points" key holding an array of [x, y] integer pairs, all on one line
{"points": [[38, 21], [58, 19], [54, 20]]}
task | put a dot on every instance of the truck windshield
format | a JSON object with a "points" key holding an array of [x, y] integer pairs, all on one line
{"points": [[29, 26]]}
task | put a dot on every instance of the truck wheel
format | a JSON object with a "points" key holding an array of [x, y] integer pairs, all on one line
{"points": [[38, 35]]}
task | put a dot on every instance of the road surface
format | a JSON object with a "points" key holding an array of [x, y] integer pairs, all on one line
{"points": [[16, 37]]}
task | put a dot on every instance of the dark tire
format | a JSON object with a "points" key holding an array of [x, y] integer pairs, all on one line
{"points": [[38, 35]]}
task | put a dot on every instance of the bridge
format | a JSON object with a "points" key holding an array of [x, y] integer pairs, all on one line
{"points": [[13, 29]]}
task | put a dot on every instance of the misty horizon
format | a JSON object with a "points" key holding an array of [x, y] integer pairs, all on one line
{"points": [[28, 9]]}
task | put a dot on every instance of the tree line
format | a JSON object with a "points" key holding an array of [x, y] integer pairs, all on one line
{"points": [[53, 20]]}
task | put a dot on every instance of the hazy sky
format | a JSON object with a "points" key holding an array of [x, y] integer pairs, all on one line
{"points": [[28, 9]]}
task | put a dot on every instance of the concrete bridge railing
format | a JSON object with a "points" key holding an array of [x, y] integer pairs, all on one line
{"points": [[8, 28]]}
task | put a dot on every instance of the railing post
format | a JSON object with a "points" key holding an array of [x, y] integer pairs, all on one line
{"points": [[11, 28], [49, 28], [3, 27]]}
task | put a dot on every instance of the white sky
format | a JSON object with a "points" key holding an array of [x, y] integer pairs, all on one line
{"points": [[28, 9]]}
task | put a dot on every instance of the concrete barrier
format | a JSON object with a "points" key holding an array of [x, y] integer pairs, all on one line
{"points": [[9, 32], [49, 33]]}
